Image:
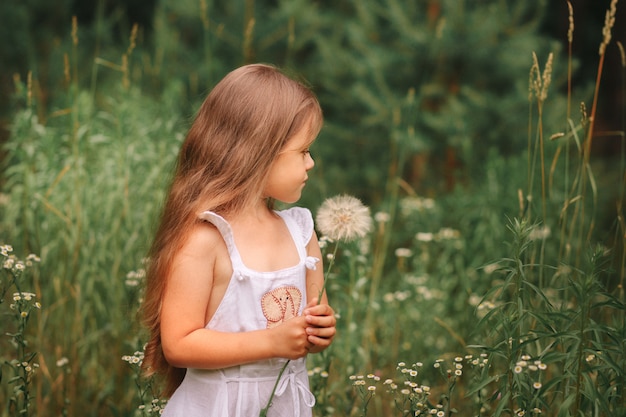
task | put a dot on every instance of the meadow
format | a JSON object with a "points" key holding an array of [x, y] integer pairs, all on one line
{"points": [[492, 283]]}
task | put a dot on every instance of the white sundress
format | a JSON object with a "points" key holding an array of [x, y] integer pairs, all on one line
{"points": [[253, 300]]}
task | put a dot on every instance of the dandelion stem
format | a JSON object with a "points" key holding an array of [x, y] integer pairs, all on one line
{"points": [[330, 265], [319, 300], [269, 402]]}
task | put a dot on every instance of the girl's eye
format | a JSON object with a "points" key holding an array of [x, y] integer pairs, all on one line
{"points": [[306, 152]]}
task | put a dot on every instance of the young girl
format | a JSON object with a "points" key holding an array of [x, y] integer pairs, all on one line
{"points": [[232, 284]]}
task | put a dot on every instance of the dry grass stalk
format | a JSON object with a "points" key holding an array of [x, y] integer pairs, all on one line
{"points": [[570, 30], [74, 30], [534, 79], [609, 21], [546, 78]]}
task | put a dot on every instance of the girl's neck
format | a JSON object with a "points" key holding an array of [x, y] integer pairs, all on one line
{"points": [[258, 213]]}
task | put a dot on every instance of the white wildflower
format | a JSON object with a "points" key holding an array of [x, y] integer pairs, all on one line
{"points": [[424, 237], [382, 217], [403, 253]]}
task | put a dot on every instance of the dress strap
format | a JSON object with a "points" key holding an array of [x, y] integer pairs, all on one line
{"points": [[225, 230]]}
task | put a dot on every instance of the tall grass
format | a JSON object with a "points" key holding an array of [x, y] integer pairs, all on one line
{"points": [[436, 314], [82, 191]]}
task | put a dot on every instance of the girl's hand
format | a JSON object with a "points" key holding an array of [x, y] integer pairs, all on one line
{"points": [[321, 322], [290, 338]]}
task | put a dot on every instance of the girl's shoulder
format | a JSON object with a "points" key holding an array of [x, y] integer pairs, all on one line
{"points": [[203, 236]]}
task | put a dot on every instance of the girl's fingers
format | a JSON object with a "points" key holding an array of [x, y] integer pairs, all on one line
{"points": [[316, 341], [321, 321], [318, 310], [321, 332]]}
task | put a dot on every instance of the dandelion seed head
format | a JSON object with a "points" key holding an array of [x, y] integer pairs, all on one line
{"points": [[343, 218]]}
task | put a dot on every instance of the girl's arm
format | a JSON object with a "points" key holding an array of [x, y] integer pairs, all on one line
{"points": [[320, 317], [197, 268]]}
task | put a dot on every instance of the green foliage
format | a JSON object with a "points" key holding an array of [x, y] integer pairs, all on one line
{"points": [[428, 120], [84, 191], [17, 362]]}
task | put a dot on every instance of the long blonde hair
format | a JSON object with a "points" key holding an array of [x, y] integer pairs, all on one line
{"points": [[222, 166]]}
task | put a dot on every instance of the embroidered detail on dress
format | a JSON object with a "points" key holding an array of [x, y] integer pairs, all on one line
{"points": [[281, 304], [311, 262]]}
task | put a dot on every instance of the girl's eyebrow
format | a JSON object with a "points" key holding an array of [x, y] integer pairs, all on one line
{"points": [[304, 146]]}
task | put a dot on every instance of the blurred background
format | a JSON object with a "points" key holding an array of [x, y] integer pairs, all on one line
{"points": [[465, 61], [449, 118]]}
